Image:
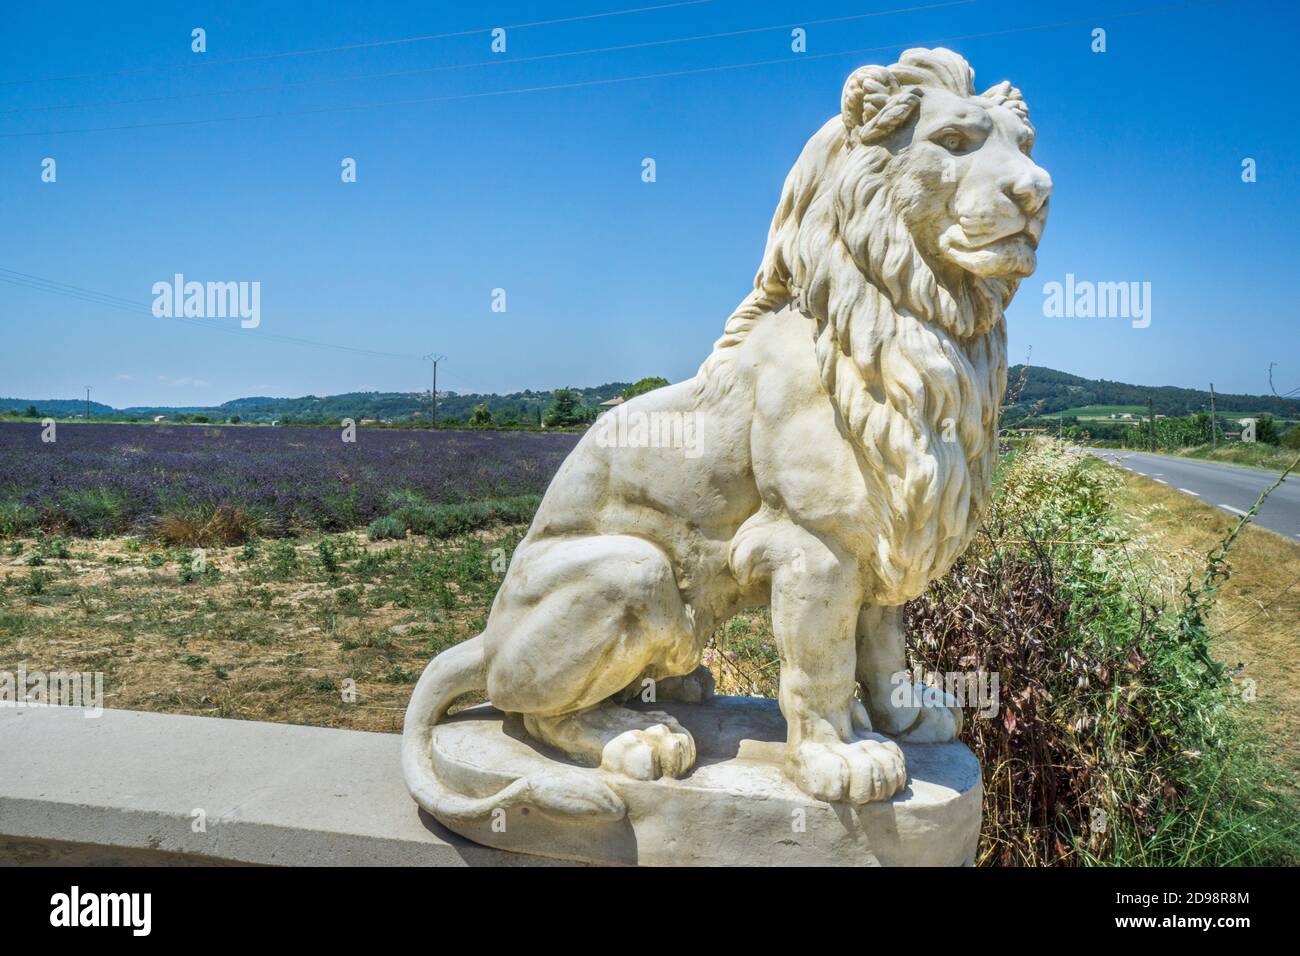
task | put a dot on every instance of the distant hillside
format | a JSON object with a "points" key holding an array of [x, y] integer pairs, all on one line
{"points": [[1058, 391], [1045, 392], [55, 407], [523, 407]]}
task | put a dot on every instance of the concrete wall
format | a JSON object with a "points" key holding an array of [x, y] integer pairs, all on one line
{"points": [[123, 789]]}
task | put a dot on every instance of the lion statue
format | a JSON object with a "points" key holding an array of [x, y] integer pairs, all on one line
{"points": [[843, 440]]}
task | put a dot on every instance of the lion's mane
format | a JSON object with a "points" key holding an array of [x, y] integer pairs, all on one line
{"points": [[916, 369]]}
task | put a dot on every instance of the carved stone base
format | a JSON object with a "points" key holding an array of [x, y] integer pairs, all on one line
{"points": [[735, 809]]}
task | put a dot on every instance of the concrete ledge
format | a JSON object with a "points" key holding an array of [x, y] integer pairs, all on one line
{"points": [[123, 788]]}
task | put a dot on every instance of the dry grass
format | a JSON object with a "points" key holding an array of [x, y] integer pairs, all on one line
{"points": [[225, 525], [1256, 617], [269, 632]]}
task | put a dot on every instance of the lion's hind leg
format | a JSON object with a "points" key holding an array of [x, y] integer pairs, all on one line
{"points": [[644, 745], [579, 620]]}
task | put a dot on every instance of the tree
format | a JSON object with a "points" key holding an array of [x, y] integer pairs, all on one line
{"points": [[32, 412], [1266, 430], [480, 417], [643, 386], [235, 419], [564, 409]]}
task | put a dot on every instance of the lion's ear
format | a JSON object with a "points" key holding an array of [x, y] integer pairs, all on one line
{"points": [[1004, 94], [865, 92], [873, 104]]}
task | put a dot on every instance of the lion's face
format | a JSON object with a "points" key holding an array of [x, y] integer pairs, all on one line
{"points": [[963, 181]]}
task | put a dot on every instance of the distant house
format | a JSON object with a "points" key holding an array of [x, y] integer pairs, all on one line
{"points": [[614, 402], [160, 418], [369, 421]]}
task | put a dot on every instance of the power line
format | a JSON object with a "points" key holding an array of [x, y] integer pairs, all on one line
{"points": [[495, 61], [798, 58], [352, 46], [39, 284]]}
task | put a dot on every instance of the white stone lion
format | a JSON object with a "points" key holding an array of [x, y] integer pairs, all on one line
{"points": [[843, 434]]}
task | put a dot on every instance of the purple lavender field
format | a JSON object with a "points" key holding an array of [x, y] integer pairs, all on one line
{"points": [[113, 479]]}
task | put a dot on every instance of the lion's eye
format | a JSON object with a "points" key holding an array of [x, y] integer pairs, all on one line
{"points": [[953, 142]]}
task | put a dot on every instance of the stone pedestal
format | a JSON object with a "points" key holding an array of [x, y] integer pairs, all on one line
{"points": [[735, 809]]}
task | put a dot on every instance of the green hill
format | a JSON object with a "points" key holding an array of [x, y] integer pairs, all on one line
{"points": [[1056, 392], [522, 407], [1043, 391]]}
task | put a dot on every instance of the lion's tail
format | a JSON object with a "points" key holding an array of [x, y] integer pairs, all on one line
{"points": [[459, 670]]}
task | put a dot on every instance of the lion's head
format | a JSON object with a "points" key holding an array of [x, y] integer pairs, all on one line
{"points": [[928, 188], [904, 229], [956, 166]]}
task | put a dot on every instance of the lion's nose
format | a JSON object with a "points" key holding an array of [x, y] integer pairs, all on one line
{"points": [[1030, 188]]}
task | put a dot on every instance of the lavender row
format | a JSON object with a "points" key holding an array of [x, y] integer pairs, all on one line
{"points": [[108, 479]]}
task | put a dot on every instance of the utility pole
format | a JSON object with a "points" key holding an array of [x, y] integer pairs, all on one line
{"points": [[433, 395], [1214, 428], [87, 403]]}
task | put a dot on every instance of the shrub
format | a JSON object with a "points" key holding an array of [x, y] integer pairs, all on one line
{"points": [[387, 528], [448, 521], [229, 525], [1116, 739], [54, 547], [221, 525], [178, 530], [329, 560], [16, 519], [284, 558], [91, 512]]}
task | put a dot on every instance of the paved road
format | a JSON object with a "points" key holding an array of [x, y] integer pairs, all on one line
{"points": [[1229, 487]]}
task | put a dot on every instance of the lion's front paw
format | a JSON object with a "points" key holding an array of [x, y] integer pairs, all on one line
{"points": [[651, 753], [932, 716], [937, 725], [871, 768], [693, 688]]}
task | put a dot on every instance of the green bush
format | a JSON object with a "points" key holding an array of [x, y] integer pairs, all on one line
{"points": [[16, 519], [448, 521], [92, 512], [387, 528], [284, 558], [53, 547]]}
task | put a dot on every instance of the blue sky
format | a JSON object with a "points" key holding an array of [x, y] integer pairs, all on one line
{"points": [[540, 193]]}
